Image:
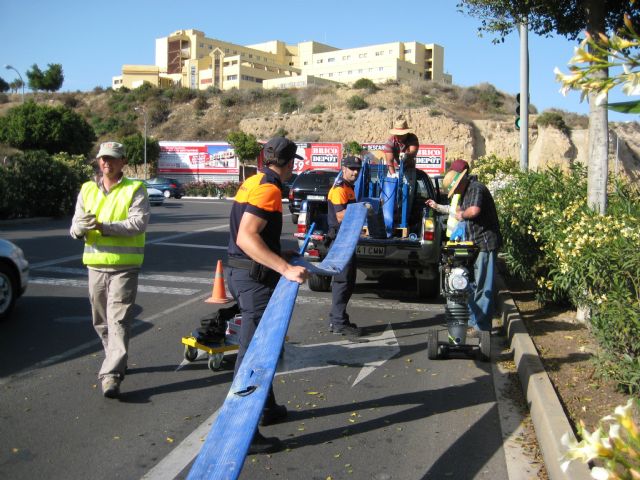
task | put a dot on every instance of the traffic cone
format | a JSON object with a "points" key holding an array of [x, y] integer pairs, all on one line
{"points": [[219, 292]]}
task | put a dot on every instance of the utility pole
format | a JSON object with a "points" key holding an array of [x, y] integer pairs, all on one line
{"points": [[524, 95], [144, 113], [9, 67]]}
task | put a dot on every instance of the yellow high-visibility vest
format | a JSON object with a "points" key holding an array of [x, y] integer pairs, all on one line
{"points": [[452, 221], [106, 250]]}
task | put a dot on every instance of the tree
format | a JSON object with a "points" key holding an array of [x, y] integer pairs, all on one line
{"points": [[53, 78], [4, 86], [567, 18], [16, 85], [31, 126], [246, 147], [50, 80], [35, 78], [134, 149]]}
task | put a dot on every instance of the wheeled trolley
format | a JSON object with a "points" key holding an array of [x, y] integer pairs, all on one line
{"points": [[456, 285], [215, 350]]}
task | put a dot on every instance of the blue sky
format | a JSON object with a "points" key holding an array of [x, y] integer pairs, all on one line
{"points": [[92, 40]]}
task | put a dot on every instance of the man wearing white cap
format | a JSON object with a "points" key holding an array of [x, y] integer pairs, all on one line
{"points": [[111, 216], [403, 143]]}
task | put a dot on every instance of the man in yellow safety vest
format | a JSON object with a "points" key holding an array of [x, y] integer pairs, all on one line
{"points": [[111, 216]]}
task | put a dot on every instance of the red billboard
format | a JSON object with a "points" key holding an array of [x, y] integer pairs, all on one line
{"points": [[430, 158], [201, 157]]}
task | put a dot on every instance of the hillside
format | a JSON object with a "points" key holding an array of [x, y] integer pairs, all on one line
{"points": [[471, 122]]}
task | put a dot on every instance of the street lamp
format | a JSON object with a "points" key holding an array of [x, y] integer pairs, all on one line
{"points": [[144, 113], [9, 67]]}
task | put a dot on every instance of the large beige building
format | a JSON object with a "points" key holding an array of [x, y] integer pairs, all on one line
{"points": [[190, 59]]}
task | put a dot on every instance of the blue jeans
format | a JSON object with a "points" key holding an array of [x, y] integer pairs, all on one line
{"points": [[481, 304]]}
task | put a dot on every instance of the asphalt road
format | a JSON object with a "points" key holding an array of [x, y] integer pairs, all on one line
{"points": [[376, 409]]}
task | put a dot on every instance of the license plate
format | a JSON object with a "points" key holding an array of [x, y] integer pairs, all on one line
{"points": [[371, 250], [315, 197]]}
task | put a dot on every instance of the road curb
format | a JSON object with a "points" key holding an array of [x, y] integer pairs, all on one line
{"points": [[549, 420]]}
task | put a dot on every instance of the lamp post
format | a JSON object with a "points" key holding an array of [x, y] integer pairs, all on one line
{"points": [[144, 113], [9, 67]]}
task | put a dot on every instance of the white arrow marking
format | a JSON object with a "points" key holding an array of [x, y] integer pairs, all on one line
{"points": [[369, 355]]}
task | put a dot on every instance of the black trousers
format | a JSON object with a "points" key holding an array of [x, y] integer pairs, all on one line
{"points": [[342, 288], [252, 297]]}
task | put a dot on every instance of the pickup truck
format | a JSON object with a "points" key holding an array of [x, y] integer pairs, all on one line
{"points": [[411, 252]]}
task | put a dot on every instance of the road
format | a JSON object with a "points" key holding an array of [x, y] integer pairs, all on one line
{"points": [[375, 409]]}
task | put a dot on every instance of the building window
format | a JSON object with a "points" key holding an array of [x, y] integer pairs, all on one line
{"points": [[319, 61], [350, 72], [306, 63], [408, 50], [362, 55], [390, 52], [251, 55], [321, 75], [360, 71], [380, 53], [381, 69], [232, 77], [346, 57], [331, 74], [202, 45], [329, 60]]}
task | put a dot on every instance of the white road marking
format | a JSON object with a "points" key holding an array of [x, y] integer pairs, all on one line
{"points": [[297, 358], [193, 245], [142, 276], [170, 466], [96, 342], [66, 282], [149, 242]]}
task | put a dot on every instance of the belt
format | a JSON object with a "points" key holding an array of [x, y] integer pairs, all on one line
{"points": [[236, 262]]}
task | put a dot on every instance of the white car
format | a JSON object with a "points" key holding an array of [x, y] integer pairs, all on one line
{"points": [[14, 276], [156, 197]]}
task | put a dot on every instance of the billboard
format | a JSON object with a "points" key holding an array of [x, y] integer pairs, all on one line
{"points": [[430, 158], [197, 157]]}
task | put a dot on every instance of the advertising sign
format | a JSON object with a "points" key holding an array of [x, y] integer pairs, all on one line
{"points": [[197, 157], [430, 158]]}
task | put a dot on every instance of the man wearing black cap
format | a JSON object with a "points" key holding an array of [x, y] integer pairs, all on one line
{"points": [[340, 195], [255, 263]]}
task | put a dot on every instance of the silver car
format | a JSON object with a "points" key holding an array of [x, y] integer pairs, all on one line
{"points": [[14, 276]]}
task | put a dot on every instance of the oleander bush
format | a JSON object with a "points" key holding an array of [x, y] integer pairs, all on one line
{"points": [[212, 189], [574, 255], [37, 184]]}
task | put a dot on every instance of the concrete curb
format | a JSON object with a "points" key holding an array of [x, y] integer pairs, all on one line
{"points": [[547, 414]]}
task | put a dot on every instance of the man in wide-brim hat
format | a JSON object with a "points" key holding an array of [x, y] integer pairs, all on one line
{"points": [[471, 202], [403, 142]]}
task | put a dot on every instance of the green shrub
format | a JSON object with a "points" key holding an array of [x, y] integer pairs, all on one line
{"points": [[211, 189], [576, 256], [552, 119], [318, 109], [201, 103], [357, 103], [33, 126], [36, 184], [365, 84], [288, 104]]}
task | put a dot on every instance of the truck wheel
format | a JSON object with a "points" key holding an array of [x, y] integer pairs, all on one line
{"points": [[485, 346], [294, 218], [428, 288], [432, 344], [320, 283]]}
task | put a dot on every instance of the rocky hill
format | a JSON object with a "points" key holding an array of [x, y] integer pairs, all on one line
{"points": [[470, 122]]}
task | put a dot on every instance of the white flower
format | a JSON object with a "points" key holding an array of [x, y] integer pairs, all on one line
{"points": [[599, 473]]}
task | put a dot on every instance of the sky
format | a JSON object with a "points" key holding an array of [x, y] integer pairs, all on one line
{"points": [[93, 39]]}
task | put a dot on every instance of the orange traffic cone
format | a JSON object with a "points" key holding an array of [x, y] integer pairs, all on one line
{"points": [[219, 292]]}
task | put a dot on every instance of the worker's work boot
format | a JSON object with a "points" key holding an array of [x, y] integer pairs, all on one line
{"points": [[111, 387], [261, 444], [273, 415]]}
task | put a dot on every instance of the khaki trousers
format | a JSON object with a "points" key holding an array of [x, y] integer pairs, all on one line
{"points": [[112, 296]]}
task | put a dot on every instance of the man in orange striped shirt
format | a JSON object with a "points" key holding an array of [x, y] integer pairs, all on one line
{"points": [[340, 195]]}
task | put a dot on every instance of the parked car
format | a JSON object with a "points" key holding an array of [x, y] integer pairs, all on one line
{"points": [[14, 276], [170, 187], [156, 197], [286, 186], [311, 184]]}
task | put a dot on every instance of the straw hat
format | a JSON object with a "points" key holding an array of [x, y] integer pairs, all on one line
{"points": [[457, 171], [400, 127]]}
